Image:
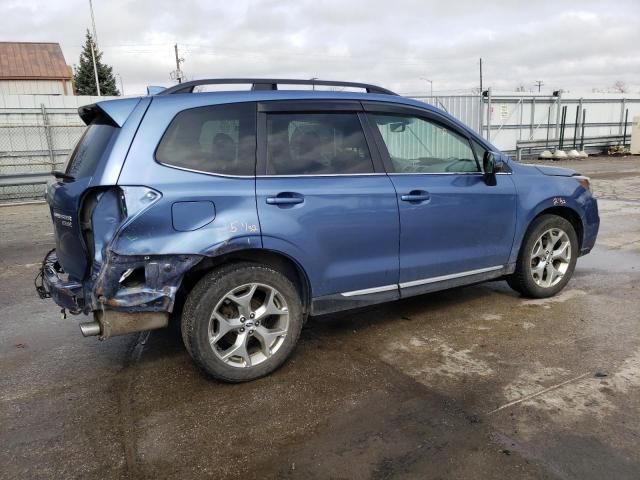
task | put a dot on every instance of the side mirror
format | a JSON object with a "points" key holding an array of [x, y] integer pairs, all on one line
{"points": [[489, 166]]}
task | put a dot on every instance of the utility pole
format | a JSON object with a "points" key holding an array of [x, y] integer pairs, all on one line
{"points": [[94, 46], [539, 83], [178, 62], [481, 105]]}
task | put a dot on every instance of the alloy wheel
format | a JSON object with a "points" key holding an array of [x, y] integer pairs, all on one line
{"points": [[248, 325], [550, 257]]}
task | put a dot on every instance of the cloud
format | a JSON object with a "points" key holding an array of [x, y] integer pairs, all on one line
{"points": [[569, 44]]}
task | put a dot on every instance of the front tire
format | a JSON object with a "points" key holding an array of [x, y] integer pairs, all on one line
{"points": [[547, 257], [242, 321]]}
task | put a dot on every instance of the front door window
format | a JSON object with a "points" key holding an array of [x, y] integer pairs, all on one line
{"points": [[417, 145]]}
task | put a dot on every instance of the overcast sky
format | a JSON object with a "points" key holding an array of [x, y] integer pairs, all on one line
{"points": [[572, 44]]}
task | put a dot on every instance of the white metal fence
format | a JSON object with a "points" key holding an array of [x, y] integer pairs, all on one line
{"points": [[38, 132], [506, 119]]}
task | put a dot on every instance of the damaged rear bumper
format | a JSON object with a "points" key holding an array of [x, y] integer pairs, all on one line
{"points": [[50, 283], [140, 283], [125, 293]]}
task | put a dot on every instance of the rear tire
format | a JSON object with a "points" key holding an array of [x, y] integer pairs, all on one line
{"points": [[242, 321], [547, 257]]}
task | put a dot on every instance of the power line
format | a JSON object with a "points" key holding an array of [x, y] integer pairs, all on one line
{"points": [[197, 49]]}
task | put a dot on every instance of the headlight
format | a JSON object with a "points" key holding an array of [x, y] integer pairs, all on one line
{"points": [[584, 181]]}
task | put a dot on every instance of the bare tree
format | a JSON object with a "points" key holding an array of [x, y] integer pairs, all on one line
{"points": [[620, 87]]}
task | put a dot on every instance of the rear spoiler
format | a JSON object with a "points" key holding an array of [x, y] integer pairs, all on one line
{"points": [[155, 89], [117, 111]]}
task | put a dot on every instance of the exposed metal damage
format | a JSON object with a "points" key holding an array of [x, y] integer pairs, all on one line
{"points": [[140, 283], [128, 293]]}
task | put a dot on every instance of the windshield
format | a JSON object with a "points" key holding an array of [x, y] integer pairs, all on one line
{"points": [[85, 157]]}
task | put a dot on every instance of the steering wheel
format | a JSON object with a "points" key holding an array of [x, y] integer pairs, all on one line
{"points": [[453, 166]]}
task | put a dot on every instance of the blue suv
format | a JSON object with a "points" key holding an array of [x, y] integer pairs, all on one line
{"points": [[241, 213]]}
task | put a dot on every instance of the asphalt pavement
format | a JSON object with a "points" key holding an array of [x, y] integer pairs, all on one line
{"points": [[471, 383]]}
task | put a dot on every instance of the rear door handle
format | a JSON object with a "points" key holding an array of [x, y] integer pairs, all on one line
{"points": [[415, 196], [285, 198]]}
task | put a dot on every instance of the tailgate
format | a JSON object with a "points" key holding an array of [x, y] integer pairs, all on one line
{"points": [[66, 195]]}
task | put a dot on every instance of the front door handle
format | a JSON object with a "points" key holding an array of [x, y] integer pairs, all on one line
{"points": [[415, 196], [285, 198]]}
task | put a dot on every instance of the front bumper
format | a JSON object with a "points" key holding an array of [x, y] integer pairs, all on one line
{"points": [[51, 282], [591, 225]]}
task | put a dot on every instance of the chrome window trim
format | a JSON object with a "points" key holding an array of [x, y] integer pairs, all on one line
{"points": [[442, 278], [324, 175], [367, 291], [478, 174], [225, 175], [373, 174]]}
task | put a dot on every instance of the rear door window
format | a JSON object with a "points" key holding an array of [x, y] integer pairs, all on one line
{"points": [[316, 144], [89, 149], [214, 139]]}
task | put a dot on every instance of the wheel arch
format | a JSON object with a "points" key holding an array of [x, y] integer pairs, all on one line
{"points": [[569, 215], [562, 211], [274, 259]]}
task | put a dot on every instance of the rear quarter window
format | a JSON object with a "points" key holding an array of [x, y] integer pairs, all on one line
{"points": [[214, 139], [86, 155]]}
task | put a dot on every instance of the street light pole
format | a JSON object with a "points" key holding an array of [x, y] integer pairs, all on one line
{"points": [[430, 83], [121, 84], [94, 45]]}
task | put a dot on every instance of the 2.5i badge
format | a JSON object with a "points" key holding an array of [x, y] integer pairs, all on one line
{"points": [[64, 220]]}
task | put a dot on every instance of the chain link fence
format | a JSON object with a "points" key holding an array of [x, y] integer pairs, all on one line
{"points": [[35, 140], [33, 143]]}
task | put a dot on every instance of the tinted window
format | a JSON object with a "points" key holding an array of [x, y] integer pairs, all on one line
{"points": [[316, 144], [416, 145], [216, 139], [89, 149]]}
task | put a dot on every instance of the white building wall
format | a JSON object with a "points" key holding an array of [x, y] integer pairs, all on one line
{"points": [[49, 101], [35, 87]]}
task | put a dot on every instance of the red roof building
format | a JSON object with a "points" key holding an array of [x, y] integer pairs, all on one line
{"points": [[34, 68]]}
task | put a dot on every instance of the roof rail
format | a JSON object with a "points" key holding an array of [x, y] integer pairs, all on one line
{"points": [[270, 84]]}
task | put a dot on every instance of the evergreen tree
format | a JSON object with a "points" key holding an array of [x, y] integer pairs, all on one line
{"points": [[84, 75]]}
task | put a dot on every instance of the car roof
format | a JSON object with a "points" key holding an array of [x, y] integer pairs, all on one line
{"points": [[236, 96], [232, 96], [191, 100]]}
